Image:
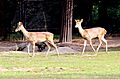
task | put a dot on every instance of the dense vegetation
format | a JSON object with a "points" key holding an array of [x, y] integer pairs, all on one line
{"points": [[95, 12]]}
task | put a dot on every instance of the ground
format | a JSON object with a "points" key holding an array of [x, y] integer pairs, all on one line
{"points": [[76, 45]]}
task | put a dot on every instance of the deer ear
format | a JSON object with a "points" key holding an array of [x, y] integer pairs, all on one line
{"points": [[81, 20], [75, 20], [20, 23]]}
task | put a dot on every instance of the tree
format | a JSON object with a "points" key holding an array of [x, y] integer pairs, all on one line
{"points": [[66, 26], [7, 10]]}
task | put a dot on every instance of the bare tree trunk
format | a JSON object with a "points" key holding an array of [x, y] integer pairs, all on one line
{"points": [[66, 26]]}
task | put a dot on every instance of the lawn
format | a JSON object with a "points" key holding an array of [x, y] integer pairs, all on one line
{"points": [[14, 65]]}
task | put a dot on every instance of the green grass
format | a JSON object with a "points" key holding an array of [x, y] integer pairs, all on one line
{"points": [[67, 66]]}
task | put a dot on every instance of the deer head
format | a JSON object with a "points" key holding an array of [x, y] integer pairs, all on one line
{"points": [[19, 26], [78, 23]]}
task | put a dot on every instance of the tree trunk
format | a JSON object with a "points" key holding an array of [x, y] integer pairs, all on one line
{"points": [[103, 11], [66, 26]]}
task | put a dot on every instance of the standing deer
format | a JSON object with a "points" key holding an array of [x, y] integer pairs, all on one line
{"points": [[34, 37], [89, 34]]}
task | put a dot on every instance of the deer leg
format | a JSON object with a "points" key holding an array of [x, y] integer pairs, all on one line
{"points": [[28, 46], [104, 40], [92, 45], [55, 47], [99, 44], [48, 48], [85, 43], [33, 48]]}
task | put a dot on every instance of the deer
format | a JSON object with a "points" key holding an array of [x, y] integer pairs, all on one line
{"points": [[34, 37], [91, 33]]}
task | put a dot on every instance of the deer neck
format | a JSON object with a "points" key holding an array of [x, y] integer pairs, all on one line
{"points": [[81, 30], [25, 32]]}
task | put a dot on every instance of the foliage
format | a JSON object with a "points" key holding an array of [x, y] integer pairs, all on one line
{"points": [[53, 10], [20, 66]]}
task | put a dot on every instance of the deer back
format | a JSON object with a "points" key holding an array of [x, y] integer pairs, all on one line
{"points": [[40, 36], [95, 32]]}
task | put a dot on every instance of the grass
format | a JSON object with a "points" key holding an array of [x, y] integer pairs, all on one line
{"points": [[67, 66]]}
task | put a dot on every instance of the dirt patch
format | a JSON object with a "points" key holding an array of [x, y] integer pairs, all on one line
{"points": [[15, 69], [75, 46]]}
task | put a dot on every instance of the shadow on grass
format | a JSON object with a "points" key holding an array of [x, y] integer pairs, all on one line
{"points": [[28, 75], [114, 48], [82, 76]]}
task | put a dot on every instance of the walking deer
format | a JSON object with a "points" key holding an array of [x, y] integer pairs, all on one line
{"points": [[89, 34], [34, 37]]}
